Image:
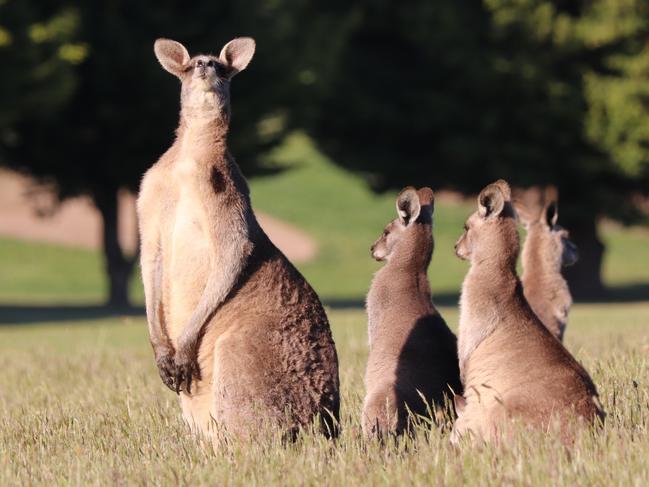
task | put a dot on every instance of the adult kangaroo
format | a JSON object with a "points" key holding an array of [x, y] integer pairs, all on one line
{"points": [[511, 365], [412, 364], [236, 330], [546, 250]]}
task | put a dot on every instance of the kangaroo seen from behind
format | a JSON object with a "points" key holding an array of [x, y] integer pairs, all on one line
{"points": [[511, 366], [236, 330], [413, 354], [546, 250]]}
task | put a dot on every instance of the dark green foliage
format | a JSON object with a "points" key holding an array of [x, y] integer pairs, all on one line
{"points": [[88, 107], [119, 109], [450, 93], [457, 94]]}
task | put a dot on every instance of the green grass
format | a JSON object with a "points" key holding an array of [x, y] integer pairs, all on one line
{"points": [[345, 217], [33, 271], [81, 404]]}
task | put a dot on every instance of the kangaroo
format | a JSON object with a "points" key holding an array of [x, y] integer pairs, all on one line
{"points": [[236, 331], [413, 354], [510, 364], [546, 249]]}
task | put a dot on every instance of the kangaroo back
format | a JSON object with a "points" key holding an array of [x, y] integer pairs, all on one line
{"points": [[412, 363]]}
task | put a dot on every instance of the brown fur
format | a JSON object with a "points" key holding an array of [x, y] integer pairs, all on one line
{"points": [[510, 364], [235, 328], [546, 250], [412, 351]]}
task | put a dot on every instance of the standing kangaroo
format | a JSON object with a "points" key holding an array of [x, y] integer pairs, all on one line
{"points": [[547, 248], [511, 365], [413, 354], [235, 329]]}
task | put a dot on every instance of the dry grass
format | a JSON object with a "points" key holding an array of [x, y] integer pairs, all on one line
{"points": [[81, 404]]}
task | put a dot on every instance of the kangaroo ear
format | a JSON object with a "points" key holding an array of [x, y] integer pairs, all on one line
{"points": [[237, 53], [492, 199], [426, 196], [172, 55], [523, 213], [427, 202], [552, 214], [460, 403], [408, 205]]}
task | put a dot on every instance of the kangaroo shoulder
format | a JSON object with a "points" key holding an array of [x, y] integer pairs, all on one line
{"points": [[156, 179]]}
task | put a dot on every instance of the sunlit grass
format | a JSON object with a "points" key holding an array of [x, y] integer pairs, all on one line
{"points": [[81, 403]]}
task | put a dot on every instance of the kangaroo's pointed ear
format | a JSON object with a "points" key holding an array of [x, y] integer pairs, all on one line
{"points": [[236, 54], [427, 202], [408, 205], [172, 55], [524, 216], [552, 214], [426, 196], [492, 199], [460, 403]]}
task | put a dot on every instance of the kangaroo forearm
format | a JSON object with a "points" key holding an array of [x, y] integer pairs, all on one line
{"points": [[152, 279], [219, 285]]}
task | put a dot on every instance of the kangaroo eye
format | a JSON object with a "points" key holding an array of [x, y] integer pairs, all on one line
{"points": [[466, 227], [199, 63]]}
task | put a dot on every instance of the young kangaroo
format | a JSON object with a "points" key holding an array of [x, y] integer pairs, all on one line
{"points": [[236, 330], [547, 248], [510, 364], [413, 354]]}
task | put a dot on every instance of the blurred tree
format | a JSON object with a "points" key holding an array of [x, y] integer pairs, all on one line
{"points": [[458, 93], [86, 105]]}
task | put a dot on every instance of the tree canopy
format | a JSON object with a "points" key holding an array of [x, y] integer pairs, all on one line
{"points": [[86, 105], [457, 94], [450, 93]]}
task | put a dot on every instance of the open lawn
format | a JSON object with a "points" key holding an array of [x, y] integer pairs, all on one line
{"points": [[81, 402]]}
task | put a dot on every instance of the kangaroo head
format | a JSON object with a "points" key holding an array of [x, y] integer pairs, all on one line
{"points": [[205, 92], [539, 217], [490, 233], [413, 206], [561, 237]]}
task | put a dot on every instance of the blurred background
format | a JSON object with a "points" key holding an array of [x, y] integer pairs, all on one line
{"points": [[343, 104]]}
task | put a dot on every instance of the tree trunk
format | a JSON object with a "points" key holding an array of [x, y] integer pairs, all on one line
{"points": [[118, 266], [585, 277]]}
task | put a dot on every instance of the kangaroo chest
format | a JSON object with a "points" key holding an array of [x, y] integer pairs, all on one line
{"points": [[190, 220]]}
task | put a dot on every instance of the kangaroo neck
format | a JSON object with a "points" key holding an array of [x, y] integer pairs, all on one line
{"points": [[413, 253], [411, 277], [492, 277], [204, 139]]}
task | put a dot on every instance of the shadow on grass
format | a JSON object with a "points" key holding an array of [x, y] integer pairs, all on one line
{"points": [[18, 314], [630, 293], [30, 314], [440, 299]]}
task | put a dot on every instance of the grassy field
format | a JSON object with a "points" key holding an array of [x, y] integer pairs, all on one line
{"points": [[334, 207], [81, 402]]}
